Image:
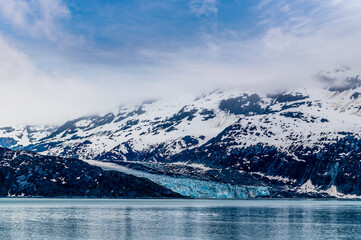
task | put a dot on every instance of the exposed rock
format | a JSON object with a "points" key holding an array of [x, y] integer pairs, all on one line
{"points": [[24, 173]]}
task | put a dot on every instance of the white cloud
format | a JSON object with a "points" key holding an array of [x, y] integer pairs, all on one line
{"points": [[300, 40], [31, 96], [38, 18], [298, 43], [204, 7]]}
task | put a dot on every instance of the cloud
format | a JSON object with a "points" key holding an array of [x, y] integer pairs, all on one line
{"points": [[304, 16], [324, 33], [31, 96], [204, 7], [37, 18], [298, 42]]}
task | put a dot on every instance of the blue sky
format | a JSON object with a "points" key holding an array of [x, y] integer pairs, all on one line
{"points": [[68, 58], [113, 31]]}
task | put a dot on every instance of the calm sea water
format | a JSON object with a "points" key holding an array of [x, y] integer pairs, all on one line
{"points": [[178, 219]]}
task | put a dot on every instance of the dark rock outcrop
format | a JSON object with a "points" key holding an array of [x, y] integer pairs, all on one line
{"points": [[24, 173]]}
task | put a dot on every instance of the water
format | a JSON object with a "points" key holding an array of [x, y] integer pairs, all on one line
{"points": [[178, 219]]}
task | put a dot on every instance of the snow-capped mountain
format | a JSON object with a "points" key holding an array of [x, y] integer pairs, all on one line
{"points": [[21, 136], [299, 142]]}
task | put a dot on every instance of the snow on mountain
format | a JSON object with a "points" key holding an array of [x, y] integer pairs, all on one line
{"points": [[21, 136], [177, 124], [248, 138], [303, 116]]}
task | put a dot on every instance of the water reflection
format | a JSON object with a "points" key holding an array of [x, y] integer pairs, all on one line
{"points": [[188, 219]]}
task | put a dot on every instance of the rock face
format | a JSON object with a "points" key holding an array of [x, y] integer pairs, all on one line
{"points": [[303, 142], [24, 173]]}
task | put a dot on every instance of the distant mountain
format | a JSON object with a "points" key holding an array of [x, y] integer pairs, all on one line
{"points": [[302, 142], [27, 174], [18, 137]]}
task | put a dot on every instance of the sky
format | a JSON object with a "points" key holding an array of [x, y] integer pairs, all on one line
{"points": [[62, 59]]}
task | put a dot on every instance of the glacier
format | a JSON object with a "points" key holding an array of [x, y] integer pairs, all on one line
{"points": [[192, 187]]}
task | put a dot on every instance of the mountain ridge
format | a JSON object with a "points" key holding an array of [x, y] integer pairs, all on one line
{"points": [[228, 136]]}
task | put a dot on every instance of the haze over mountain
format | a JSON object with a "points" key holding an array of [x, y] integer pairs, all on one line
{"points": [[228, 143], [64, 59]]}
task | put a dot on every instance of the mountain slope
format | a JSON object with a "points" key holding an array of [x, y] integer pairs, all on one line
{"points": [[20, 136], [299, 142], [24, 173]]}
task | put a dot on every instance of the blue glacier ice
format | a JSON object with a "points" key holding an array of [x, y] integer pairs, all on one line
{"points": [[191, 187]]}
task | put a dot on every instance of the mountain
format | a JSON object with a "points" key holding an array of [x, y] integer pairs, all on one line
{"points": [[18, 137], [301, 142], [24, 173]]}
